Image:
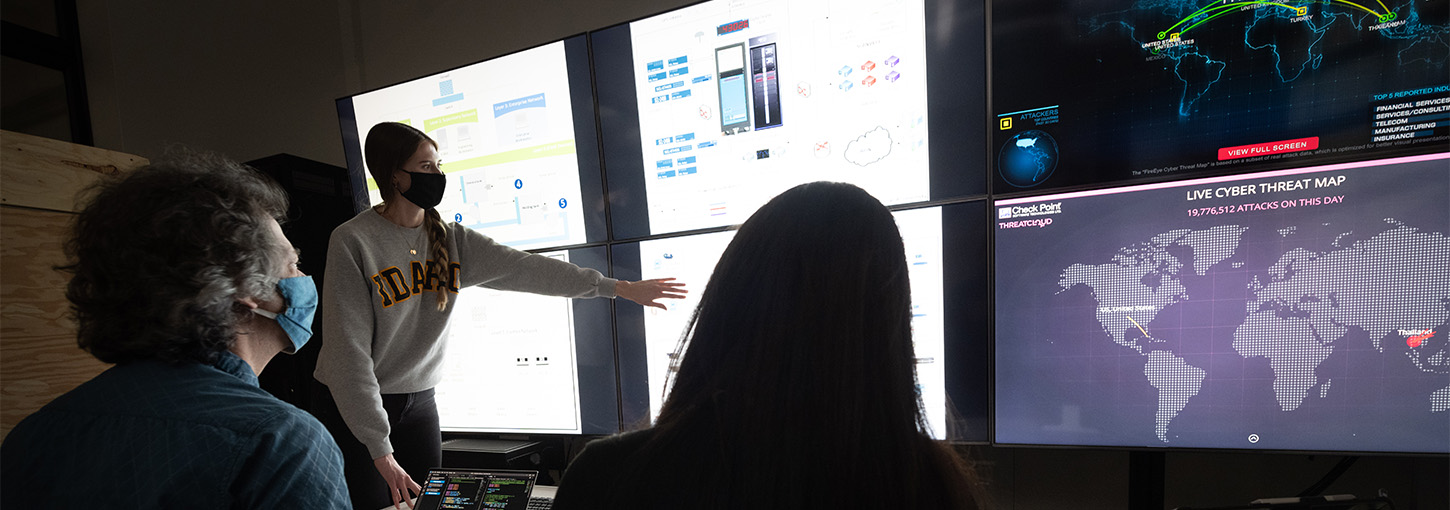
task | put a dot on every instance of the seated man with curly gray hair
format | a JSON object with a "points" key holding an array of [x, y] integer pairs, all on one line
{"points": [[181, 277]]}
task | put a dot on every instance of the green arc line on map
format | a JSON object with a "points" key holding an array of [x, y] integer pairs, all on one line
{"points": [[1214, 11]]}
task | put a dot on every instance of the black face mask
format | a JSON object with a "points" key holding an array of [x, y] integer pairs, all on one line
{"points": [[427, 189]]}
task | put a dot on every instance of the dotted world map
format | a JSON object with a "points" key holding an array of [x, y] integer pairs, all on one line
{"points": [[1392, 286]]}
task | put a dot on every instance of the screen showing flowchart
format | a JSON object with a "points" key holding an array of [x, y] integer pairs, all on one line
{"points": [[738, 101], [505, 130]]}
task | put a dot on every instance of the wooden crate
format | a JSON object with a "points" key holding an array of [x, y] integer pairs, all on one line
{"points": [[39, 181]]}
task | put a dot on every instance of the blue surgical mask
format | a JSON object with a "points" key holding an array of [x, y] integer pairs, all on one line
{"points": [[296, 320]]}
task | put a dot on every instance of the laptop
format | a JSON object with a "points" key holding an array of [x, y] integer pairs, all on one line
{"points": [[479, 489]]}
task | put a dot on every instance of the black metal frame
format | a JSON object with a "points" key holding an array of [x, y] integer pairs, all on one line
{"points": [[61, 53]]}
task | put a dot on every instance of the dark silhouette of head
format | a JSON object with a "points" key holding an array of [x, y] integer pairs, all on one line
{"points": [[811, 300], [798, 374]]}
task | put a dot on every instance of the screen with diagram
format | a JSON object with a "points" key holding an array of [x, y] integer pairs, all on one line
{"points": [[692, 259], [734, 102], [525, 363], [1300, 309], [516, 140]]}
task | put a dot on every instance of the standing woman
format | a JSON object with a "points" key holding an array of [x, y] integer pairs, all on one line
{"points": [[391, 273]]}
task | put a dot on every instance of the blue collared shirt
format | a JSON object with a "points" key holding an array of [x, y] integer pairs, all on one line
{"points": [[152, 435]]}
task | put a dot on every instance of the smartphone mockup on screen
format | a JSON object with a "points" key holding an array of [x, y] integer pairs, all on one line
{"points": [[734, 101]]}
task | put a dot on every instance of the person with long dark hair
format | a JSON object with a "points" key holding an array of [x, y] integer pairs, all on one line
{"points": [[391, 273], [797, 387]]}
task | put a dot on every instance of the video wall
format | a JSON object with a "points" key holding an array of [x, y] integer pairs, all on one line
{"points": [[1183, 226]]}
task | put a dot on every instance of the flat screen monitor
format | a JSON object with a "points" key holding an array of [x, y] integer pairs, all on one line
{"points": [[1301, 309], [516, 137], [710, 110], [528, 364], [649, 338], [1089, 93]]}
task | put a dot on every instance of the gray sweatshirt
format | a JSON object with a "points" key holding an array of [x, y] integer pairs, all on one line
{"points": [[382, 331]]}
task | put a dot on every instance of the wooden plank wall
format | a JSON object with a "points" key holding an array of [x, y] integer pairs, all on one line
{"points": [[39, 181]]}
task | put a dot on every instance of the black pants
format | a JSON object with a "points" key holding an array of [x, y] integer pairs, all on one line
{"points": [[416, 437]]}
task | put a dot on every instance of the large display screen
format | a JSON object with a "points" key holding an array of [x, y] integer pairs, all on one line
{"points": [[516, 138], [525, 363], [1299, 309], [692, 259], [1087, 92], [711, 110]]}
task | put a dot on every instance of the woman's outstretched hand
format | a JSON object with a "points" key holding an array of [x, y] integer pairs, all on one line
{"points": [[649, 292]]}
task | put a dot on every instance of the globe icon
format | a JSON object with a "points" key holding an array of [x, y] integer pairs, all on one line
{"points": [[1027, 159]]}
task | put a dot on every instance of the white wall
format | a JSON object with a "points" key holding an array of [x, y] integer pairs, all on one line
{"points": [[252, 79]]}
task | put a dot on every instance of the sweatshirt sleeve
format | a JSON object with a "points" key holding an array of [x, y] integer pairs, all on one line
{"points": [[493, 265], [345, 362]]}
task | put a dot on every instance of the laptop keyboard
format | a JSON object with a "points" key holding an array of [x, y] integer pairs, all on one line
{"points": [[536, 503]]}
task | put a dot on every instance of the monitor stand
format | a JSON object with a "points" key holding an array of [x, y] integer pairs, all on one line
{"points": [[1145, 480], [491, 453]]}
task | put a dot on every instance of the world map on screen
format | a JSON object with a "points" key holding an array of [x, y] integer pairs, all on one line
{"points": [[1287, 310], [1394, 284]]}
